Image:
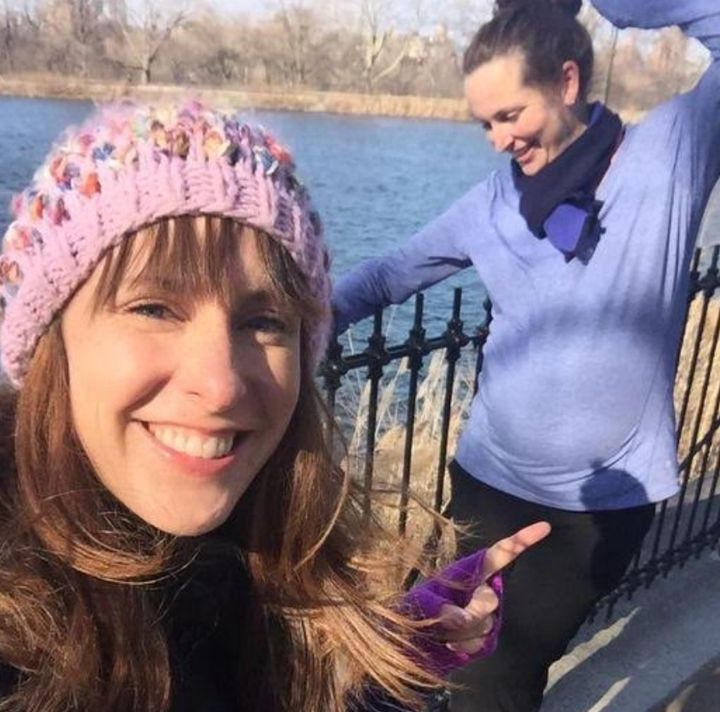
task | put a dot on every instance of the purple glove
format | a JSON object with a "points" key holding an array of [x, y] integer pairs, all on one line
{"points": [[425, 601]]}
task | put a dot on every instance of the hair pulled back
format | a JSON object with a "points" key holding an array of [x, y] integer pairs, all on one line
{"points": [[547, 32]]}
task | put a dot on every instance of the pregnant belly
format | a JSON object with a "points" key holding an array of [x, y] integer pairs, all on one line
{"points": [[572, 409]]}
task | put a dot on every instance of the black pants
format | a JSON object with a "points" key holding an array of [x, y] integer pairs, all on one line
{"points": [[549, 590]]}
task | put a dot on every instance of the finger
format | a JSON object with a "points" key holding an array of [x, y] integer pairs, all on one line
{"points": [[467, 646], [453, 618], [484, 603], [505, 551], [471, 622], [479, 629], [482, 608], [473, 638]]}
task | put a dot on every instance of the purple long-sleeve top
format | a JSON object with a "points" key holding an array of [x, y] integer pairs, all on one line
{"points": [[575, 404]]}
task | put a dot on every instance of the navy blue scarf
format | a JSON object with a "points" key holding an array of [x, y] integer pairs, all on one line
{"points": [[558, 202]]}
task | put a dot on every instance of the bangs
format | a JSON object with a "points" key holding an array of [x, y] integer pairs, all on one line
{"points": [[198, 255]]}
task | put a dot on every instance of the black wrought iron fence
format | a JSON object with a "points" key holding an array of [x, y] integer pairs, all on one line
{"points": [[686, 525], [378, 360], [689, 523]]}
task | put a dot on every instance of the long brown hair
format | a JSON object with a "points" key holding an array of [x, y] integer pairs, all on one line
{"points": [[77, 618]]}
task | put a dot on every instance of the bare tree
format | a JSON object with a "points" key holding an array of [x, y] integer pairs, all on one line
{"points": [[374, 37], [73, 31], [8, 35], [208, 51], [668, 59], [439, 74], [298, 24], [627, 83], [380, 41], [49, 30], [85, 18], [144, 34], [610, 64]]}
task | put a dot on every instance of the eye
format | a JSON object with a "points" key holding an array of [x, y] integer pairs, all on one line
{"points": [[152, 310], [266, 323]]}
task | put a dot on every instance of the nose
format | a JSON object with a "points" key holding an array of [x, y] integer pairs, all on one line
{"points": [[501, 138], [210, 369]]}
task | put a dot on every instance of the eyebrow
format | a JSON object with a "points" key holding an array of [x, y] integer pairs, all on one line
{"points": [[255, 297]]}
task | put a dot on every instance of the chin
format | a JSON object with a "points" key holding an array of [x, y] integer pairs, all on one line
{"points": [[195, 524], [190, 531], [531, 169]]}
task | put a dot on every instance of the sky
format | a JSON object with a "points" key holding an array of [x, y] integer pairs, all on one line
{"points": [[400, 7], [460, 16]]}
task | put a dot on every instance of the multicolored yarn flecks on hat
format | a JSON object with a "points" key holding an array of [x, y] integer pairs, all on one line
{"points": [[125, 168]]}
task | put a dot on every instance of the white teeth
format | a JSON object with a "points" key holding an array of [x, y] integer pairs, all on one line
{"points": [[207, 447], [194, 446]]}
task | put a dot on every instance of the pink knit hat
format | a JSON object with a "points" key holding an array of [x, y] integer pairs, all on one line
{"points": [[125, 168]]}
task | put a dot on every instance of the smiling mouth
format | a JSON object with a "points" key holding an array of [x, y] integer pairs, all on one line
{"points": [[193, 443], [521, 154]]}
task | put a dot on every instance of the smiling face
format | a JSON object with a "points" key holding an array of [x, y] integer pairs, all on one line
{"points": [[533, 124], [181, 390]]}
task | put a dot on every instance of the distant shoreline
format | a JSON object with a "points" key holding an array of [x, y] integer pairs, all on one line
{"points": [[77, 88]]}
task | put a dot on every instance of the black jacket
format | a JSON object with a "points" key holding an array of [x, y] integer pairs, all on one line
{"points": [[207, 614]]}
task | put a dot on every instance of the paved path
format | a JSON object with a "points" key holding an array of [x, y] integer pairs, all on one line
{"points": [[699, 694], [659, 655]]}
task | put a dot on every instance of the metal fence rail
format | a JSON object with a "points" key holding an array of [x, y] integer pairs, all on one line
{"points": [[685, 525], [376, 358]]}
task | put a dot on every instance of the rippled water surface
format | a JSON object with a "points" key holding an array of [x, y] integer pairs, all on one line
{"points": [[374, 180]]}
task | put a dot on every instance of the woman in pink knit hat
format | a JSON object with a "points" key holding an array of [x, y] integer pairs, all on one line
{"points": [[175, 533]]}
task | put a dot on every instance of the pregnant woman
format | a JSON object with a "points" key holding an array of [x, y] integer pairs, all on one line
{"points": [[583, 242]]}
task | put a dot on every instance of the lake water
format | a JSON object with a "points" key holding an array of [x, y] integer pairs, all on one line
{"points": [[374, 180]]}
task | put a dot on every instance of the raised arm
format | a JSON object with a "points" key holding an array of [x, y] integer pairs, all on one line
{"points": [[697, 18], [435, 252], [690, 122]]}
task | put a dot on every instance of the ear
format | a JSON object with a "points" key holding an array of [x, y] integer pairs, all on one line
{"points": [[570, 83]]}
